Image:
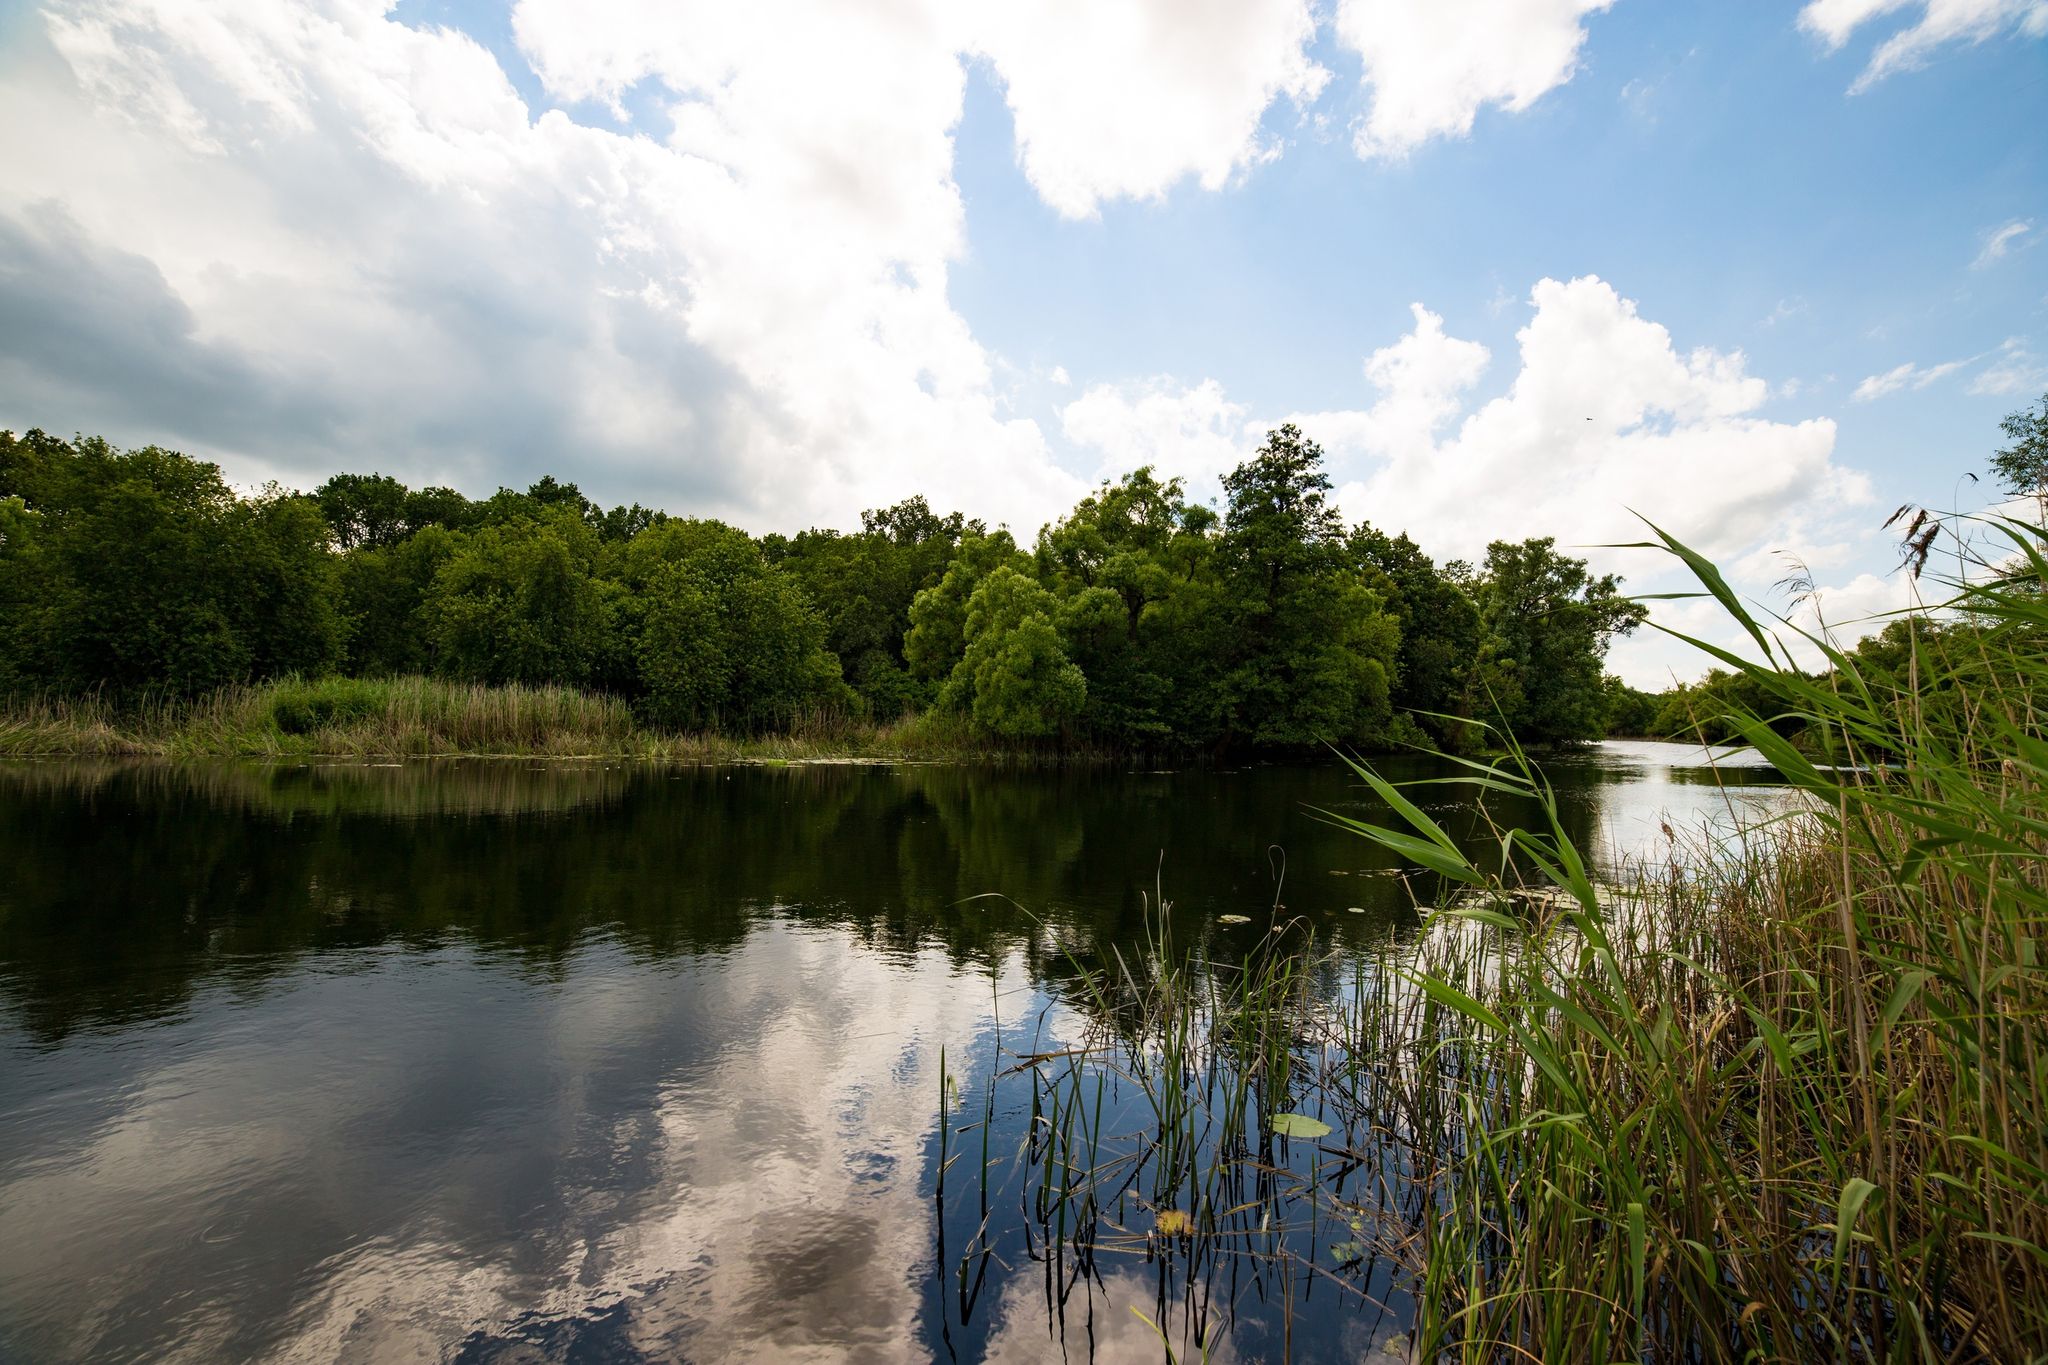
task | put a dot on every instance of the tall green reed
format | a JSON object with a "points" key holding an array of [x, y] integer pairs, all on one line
{"points": [[1789, 1099]]}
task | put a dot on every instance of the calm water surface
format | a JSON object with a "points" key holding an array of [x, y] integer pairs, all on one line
{"points": [[502, 1061]]}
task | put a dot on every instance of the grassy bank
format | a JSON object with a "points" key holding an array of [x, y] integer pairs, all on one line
{"points": [[430, 717], [1780, 1095]]}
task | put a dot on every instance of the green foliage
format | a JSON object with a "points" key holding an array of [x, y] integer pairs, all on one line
{"points": [[1128, 562], [373, 511], [1704, 710], [937, 639], [519, 602], [1014, 676], [364, 510], [1631, 712], [142, 569], [2022, 467], [286, 608], [1138, 619], [382, 591], [864, 586], [726, 639], [1780, 1097], [1310, 652], [24, 591], [1546, 623], [1440, 630], [302, 708]]}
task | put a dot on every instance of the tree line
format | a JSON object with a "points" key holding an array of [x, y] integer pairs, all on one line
{"points": [[1140, 618]]}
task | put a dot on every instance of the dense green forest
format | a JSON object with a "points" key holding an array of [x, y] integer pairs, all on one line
{"points": [[1139, 619]]}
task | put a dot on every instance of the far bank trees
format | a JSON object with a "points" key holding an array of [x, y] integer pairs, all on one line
{"points": [[1139, 619]]}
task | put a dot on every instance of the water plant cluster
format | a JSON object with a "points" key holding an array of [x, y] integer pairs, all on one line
{"points": [[1780, 1094]]}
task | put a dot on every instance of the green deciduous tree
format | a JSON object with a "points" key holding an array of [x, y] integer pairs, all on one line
{"points": [[1125, 563], [1546, 625], [1014, 676], [286, 605], [1631, 712], [143, 569], [1439, 630], [725, 638], [863, 584], [1138, 619], [382, 592], [519, 602], [2022, 467], [938, 615], [25, 591]]}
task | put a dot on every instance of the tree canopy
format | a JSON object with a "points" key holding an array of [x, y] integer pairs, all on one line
{"points": [[1138, 619]]}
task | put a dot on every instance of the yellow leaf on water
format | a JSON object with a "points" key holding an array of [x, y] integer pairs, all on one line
{"points": [[1299, 1126], [1174, 1223]]}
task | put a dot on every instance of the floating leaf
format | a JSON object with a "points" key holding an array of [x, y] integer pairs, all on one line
{"points": [[1233, 919], [1174, 1223], [1299, 1126], [1344, 1253]]}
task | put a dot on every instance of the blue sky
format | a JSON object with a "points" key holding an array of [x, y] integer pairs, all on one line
{"points": [[1705, 160], [780, 264]]}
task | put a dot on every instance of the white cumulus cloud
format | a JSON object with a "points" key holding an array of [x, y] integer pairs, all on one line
{"points": [[1126, 98], [298, 235], [1604, 415], [1433, 64], [1194, 434], [361, 245]]}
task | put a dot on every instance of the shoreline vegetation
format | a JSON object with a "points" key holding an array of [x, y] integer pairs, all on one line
{"points": [[148, 608], [1779, 1094], [1139, 622], [420, 717], [417, 717]]}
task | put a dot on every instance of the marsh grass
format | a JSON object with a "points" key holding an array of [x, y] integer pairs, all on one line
{"points": [[417, 717], [1195, 1111], [1780, 1095]]}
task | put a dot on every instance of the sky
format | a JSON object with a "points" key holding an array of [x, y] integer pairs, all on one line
{"points": [[1756, 272]]}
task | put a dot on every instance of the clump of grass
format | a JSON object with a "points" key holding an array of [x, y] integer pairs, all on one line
{"points": [[350, 717], [84, 726], [425, 717]]}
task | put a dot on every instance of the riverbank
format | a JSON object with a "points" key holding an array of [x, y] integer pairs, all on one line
{"points": [[416, 717]]}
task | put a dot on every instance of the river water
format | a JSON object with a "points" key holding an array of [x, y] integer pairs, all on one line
{"points": [[588, 1062]]}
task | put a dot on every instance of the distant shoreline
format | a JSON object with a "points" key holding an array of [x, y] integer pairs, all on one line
{"points": [[417, 718]]}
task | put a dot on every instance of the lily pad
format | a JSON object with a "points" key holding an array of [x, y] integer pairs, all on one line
{"points": [[1233, 919], [1299, 1126]]}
